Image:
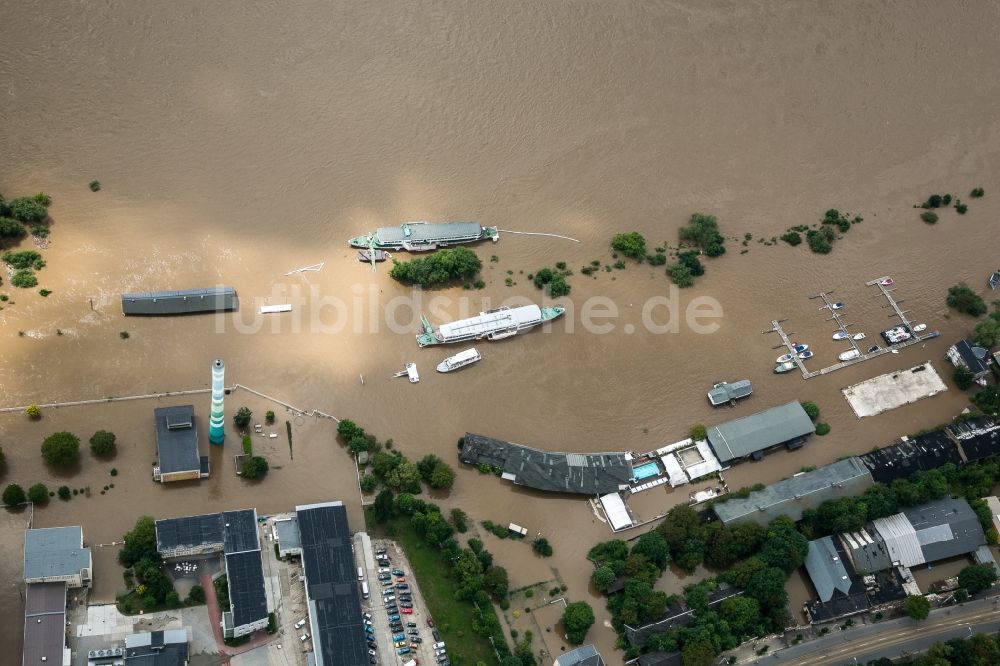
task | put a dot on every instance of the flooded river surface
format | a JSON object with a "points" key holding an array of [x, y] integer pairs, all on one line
{"points": [[236, 142]]}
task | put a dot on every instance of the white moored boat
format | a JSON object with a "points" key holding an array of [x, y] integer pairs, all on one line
{"points": [[495, 324], [459, 360], [849, 355]]}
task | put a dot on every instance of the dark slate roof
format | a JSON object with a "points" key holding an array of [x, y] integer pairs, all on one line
{"points": [[838, 607], [945, 528], [213, 299], [972, 362], [189, 531], [246, 587], [828, 568], [922, 453], [790, 497], [748, 435], [661, 659], [240, 530], [978, 438], [331, 585], [44, 623], [176, 447], [583, 473], [866, 551]]}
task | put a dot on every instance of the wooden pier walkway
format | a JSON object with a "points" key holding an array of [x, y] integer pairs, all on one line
{"points": [[890, 349]]}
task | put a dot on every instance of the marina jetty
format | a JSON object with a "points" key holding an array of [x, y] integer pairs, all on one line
{"points": [[576, 473], [423, 237], [494, 324], [190, 301]]}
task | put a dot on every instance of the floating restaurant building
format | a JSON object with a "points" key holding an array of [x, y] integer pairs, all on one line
{"points": [[421, 236], [191, 301]]}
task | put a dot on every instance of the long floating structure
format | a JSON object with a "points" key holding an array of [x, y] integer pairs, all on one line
{"points": [[423, 236], [190, 301], [492, 325]]}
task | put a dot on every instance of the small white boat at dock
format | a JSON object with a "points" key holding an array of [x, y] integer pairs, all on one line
{"points": [[849, 355], [459, 360], [919, 328], [858, 336], [784, 358], [782, 368], [806, 354], [841, 335]]}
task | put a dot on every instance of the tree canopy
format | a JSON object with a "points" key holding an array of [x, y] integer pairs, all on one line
{"points": [[102, 443], [441, 267], [917, 607], [577, 618], [255, 467], [61, 449], [703, 231], [977, 577], [13, 495], [631, 244], [38, 493], [963, 299]]}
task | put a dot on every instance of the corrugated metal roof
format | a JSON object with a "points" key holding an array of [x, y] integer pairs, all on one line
{"points": [[53, 552], [188, 301], [719, 395], [827, 569], [956, 517], [740, 438], [790, 497]]}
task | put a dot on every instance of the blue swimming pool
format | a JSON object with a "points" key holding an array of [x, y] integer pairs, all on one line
{"points": [[646, 471]]}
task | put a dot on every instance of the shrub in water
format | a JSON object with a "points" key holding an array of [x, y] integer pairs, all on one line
{"points": [[929, 216], [977, 192]]}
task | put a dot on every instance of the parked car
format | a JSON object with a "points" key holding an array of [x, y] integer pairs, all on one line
{"points": [[300, 624], [400, 644], [405, 650], [411, 624], [398, 637], [398, 572], [372, 652], [393, 617], [416, 639], [367, 616], [407, 611], [402, 586], [436, 635], [304, 637], [384, 570], [413, 632], [430, 622]]}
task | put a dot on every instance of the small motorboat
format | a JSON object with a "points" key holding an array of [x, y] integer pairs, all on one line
{"points": [[919, 327], [806, 354], [784, 358], [995, 280], [886, 282], [836, 306], [841, 335], [799, 348], [858, 336], [459, 360], [849, 355], [873, 349], [782, 368], [411, 372]]}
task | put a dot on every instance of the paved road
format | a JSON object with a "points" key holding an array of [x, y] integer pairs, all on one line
{"points": [[892, 638]]}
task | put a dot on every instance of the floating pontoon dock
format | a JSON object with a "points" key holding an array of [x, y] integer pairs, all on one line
{"points": [[865, 356], [191, 301]]}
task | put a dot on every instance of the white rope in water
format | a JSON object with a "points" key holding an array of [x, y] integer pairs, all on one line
{"points": [[535, 233]]}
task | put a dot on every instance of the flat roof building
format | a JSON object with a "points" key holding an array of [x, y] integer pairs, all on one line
{"points": [[331, 585], [286, 534], [234, 534], [157, 648], [580, 473], [750, 436], [930, 532], [177, 445], [963, 354], [790, 497], [188, 301], [922, 453], [45, 625], [978, 438], [57, 554], [586, 655]]}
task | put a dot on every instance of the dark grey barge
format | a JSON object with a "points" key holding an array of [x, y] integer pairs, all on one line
{"points": [[189, 301]]}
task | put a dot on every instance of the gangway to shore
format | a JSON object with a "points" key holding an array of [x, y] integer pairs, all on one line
{"points": [[865, 356]]}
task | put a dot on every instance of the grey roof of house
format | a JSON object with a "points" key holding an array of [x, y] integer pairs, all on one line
{"points": [[44, 623], [719, 395], [970, 359], [288, 533], [921, 453], [945, 528], [744, 436], [423, 232], [158, 648], [979, 438], [827, 568], [791, 497], [247, 596], [331, 585], [585, 655], [866, 550], [176, 447], [189, 532], [661, 659], [187, 301], [54, 551], [582, 473]]}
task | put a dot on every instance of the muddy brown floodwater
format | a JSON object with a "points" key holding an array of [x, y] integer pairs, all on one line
{"points": [[236, 142]]}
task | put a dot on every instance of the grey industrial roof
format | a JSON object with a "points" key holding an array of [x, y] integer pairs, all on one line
{"points": [[424, 232], [921, 453], [158, 648], [189, 532], [212, 299], [240, 530], [867, 551], [331, 585], [730, 391], [961, 534], [661, 659], [586, 655], [44, 623], [54, 551], [744, 436], [791, 497], [978, 438], [288, 533], [827, 568], [176, 447], [247, 597], [583, 473]]}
